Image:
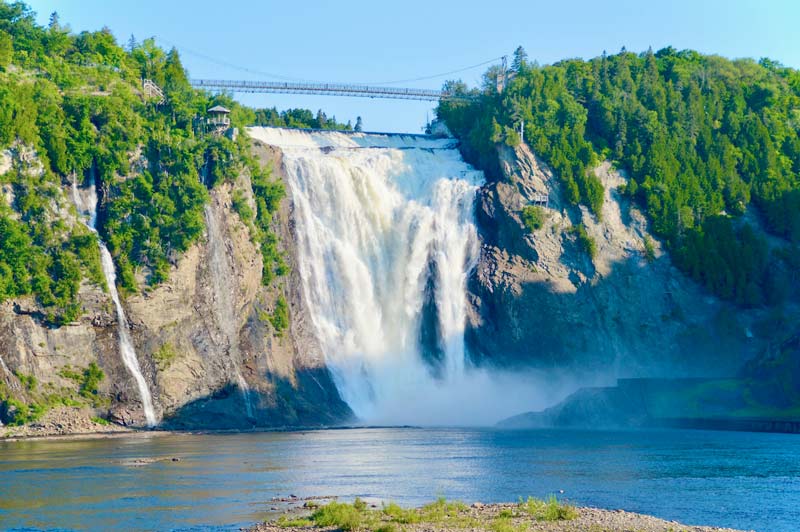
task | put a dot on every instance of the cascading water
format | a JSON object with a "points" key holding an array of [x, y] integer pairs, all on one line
{"points": [[224, 309], [86, 203], [386, 240], [4, 367]]}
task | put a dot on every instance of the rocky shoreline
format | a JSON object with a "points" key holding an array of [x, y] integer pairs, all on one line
{"points": [[64, 422], [444, 516]]}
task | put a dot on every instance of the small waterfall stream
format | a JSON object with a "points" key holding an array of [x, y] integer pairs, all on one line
{"points": [[223, 308], [87, 207], [4, 367]]}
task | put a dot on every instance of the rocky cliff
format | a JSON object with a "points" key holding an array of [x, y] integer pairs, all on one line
{"points": [[213, 358], [537, 298], [204, 340]]}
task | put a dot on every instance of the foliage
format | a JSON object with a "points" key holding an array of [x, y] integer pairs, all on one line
{"points": [[505, 524], [88, 380], [731, 261], [549, 510], [649, 249], [6, 50], [440, 514], [100, 421], [442, 509], [340, 515], [298, 118], [41, 397], [285, 521], [268, 193], [533, 216], [585, 241], [28, 381], [699, 136], [280, 316], [358, 516], [92, 376], [401, 515], [164, 356], [73, 101]]}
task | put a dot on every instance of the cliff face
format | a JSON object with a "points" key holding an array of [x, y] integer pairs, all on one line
{"points": [[213, 359], [538, 299], [203, 338]]}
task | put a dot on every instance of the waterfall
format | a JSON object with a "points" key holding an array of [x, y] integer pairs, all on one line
{"points": [[386, 239], [86, 203], [223, 307], [5, 368]]}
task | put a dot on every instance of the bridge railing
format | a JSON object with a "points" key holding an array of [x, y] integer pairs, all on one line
{"points": [[333, 89]]}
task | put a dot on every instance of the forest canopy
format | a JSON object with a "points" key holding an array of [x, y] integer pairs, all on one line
{"points": [[703, 140], [73, 109]]}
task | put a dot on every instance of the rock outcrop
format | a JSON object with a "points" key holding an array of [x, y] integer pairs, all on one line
{"points": [[538, 299]]}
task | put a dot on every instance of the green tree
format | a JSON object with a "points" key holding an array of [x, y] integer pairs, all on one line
{"points": [[520, 60], [6, 49], [698, 136]]}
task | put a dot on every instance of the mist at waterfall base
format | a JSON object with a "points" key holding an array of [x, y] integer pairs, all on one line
{"points": [[386, 240]]}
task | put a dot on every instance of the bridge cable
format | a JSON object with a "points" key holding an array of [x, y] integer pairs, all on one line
{"points": [[234, 66], [286, 78], [435, 75]]}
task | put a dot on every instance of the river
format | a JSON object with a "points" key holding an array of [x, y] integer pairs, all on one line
{"points": [[224, 481]]}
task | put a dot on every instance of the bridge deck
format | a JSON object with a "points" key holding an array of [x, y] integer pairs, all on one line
{"points": [[330, 89]]}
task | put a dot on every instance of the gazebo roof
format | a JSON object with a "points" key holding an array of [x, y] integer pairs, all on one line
{"points": [[219, 109]]}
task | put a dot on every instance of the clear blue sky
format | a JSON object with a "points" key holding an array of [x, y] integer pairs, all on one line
{"points": [[374, 41]]}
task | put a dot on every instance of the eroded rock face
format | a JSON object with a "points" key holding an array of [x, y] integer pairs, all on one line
{"points": [[195, 334], [537, 299]]}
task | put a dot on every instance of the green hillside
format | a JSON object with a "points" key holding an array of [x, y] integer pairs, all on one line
{"points": [[72, 108], [703, 139]]}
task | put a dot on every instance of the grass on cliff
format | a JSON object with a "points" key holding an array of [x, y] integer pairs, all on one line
{"points": [[449, 514]]}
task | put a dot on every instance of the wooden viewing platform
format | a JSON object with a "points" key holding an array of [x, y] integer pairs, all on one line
{"points": [[543, 200]]}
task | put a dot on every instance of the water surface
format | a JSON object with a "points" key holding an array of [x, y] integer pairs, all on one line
{"points": [[224, 481]]}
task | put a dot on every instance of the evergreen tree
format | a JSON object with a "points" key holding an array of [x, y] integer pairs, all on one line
{"points": [[699, 136], [520, 59], [321, 120], [54, 21], [359, 125]]}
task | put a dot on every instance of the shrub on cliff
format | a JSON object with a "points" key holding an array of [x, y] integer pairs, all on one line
{"points": [[533, 216]]}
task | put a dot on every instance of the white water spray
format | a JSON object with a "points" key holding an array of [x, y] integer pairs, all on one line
{"points": [[223, 306], [87, 207], [386, 241]]}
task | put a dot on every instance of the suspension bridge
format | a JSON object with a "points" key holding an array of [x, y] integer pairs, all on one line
{"points": [[329, 89]]}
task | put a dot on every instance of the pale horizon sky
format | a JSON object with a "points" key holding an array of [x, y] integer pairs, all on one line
{"points": [[362, 41]]}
